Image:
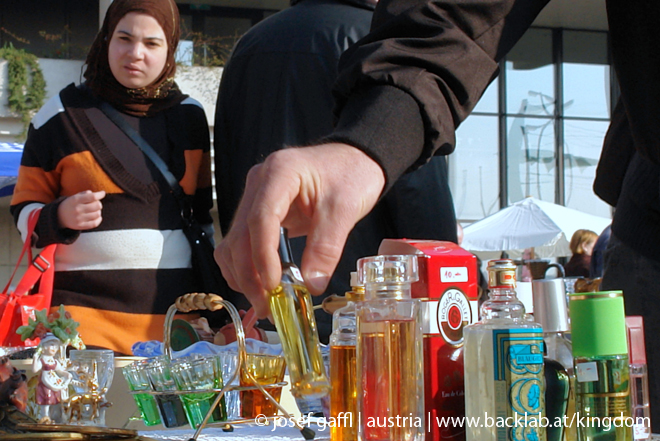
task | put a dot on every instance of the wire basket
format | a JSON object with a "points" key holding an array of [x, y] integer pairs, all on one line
{"points": [[213, 302]]}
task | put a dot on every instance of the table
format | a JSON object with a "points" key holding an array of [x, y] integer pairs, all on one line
{"points": [[242, 432], [245, 432]]}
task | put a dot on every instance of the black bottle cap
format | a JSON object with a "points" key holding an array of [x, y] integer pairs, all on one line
{"points": [[285, 247]]}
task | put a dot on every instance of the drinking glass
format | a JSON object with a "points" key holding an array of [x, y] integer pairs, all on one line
{"points": [[199, 373], [172, 413], [228, 362], [92, 373], [266, 369], [137, 379]]}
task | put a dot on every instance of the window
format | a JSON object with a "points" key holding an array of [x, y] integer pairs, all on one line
{"points": [[543, 136]]}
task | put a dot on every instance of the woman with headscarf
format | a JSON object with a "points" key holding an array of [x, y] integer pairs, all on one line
{"points": [[122, 257]]}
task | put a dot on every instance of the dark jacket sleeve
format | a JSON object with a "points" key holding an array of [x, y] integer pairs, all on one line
{"points": [[404, 88]]}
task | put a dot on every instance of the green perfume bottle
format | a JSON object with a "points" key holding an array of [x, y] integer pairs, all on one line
{"points": [[600, 354]]}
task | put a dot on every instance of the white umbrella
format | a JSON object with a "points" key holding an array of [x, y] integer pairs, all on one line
{"points": [[530, 223]]}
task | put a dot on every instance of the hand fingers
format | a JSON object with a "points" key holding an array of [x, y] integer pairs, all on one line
{"points": [[234, 257], [323, 249], [88, 196], [279, 187]]}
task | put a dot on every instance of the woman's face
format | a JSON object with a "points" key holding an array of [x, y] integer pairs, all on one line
{"points": [[138, 50], [589, 247]]}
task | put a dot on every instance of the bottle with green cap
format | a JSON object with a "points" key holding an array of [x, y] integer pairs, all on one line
{"points": [[600, 354], [504, 366]]}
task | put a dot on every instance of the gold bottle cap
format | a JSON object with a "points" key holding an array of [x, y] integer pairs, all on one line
{"points": [[501, 273]]}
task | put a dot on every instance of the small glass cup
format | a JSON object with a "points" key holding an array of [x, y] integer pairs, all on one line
{"points": [[172, 413], [199, 373], [228, 362], [92, 371], [266, 369], [137, 379]]}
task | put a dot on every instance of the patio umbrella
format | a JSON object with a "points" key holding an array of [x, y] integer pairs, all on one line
{"points": [[530, 223], [10, 159]]}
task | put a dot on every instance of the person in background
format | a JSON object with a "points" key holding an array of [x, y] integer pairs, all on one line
{"points": [[276, 92], [596, 265], [122, 257], [582, 245]]}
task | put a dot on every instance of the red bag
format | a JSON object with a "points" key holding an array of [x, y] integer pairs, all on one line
{"points": [[18, 306]]}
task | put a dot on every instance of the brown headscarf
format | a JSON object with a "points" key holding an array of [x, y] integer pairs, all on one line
{"points": [[146, 101]]}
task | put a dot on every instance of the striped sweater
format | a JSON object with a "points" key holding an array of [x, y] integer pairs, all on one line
{"points": [[118, 279]]}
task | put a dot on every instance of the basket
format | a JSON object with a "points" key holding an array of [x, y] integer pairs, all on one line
{"points": [[213, 302]]}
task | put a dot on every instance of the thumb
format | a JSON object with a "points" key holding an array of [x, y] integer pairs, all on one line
{"points": [[98, 195], [324, 248]]}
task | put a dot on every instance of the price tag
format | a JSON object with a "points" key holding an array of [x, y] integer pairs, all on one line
{"points": [[587, 372]]}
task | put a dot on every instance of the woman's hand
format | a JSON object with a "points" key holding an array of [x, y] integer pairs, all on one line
{"points": [[320, 192], [82, 211]]}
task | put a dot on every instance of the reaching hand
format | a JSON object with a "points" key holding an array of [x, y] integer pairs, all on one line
{"points": [[321, 192], [82, 211]]}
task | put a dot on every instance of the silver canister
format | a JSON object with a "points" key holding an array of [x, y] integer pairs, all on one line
{"points": [[550, 309]]}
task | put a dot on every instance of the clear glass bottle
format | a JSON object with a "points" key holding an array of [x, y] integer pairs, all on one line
{"points": [[504, 375], [390, 351], [600, 357], [639, 378], [343, 373], [551, 311], [291, 306]]}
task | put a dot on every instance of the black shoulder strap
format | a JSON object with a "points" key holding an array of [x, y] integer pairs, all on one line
{"points": [[114, 116]]}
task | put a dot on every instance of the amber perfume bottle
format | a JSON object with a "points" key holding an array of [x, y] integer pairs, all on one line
{"points": [[343, 373], [390, 357], [291, 306]]}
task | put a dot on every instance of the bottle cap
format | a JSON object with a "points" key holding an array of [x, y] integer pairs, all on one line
{"points": [[285, 248], [356, 294], [501, 273], [598, 325], [635, 325], [550, 308], [385, 271], [354, 279]]}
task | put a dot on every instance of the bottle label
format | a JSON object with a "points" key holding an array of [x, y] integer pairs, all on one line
{"points": [[296, 273], [453, 314], [518, 362], [587, 372]]}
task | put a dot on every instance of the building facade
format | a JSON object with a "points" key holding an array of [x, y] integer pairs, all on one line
{"points": [[537, 131]]}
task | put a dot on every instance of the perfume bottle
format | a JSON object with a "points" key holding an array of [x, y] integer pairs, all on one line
{"points": [[639, 378], [551, 311], [291, 306], [343, 373], [390, 351], [600, 355], [504, 375]]}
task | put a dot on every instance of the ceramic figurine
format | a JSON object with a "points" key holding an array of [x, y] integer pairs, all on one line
{"points": [[54, 379], [56, 331]]}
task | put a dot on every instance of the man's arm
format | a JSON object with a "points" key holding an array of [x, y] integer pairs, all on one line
{"points": [[401, 93], [441, 55]]}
